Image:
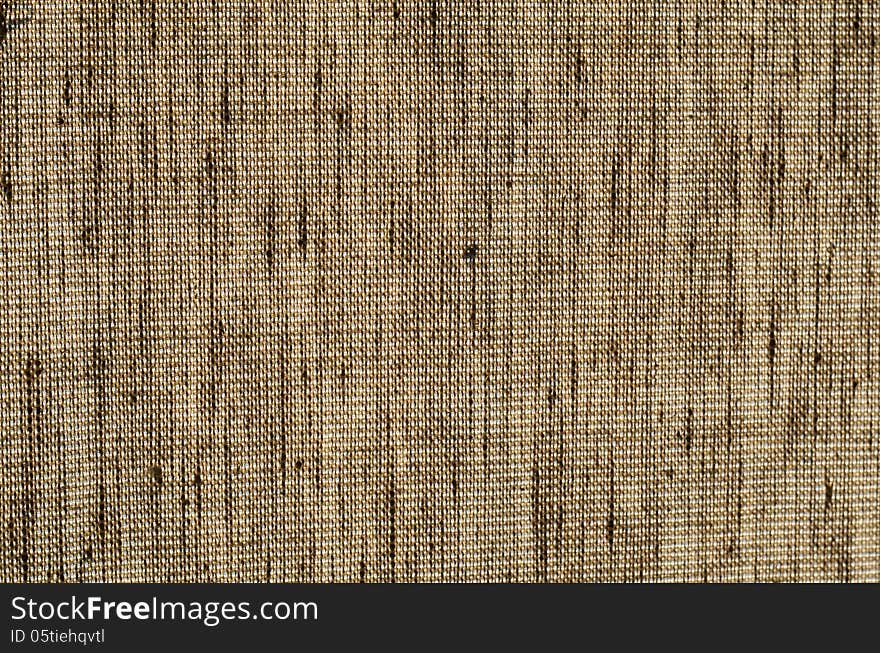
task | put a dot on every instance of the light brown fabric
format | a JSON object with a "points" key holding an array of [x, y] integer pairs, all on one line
{"points": [[421, 291]]}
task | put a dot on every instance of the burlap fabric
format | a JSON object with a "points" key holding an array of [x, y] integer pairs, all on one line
{"points": [[422, 291]]}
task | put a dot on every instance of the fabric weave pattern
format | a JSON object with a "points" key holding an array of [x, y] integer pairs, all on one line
{"points": [[440, 291]]}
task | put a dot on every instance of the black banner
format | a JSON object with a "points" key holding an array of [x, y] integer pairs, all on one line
{"points": [[113, 617]]}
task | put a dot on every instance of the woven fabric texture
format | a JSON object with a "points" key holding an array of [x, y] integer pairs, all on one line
{"points": [[424, 290]]}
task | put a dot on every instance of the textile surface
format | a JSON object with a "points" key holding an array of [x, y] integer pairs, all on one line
{"points": [[424, 290]]}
